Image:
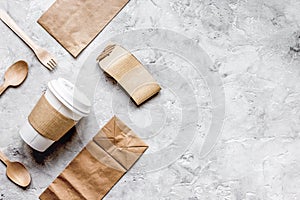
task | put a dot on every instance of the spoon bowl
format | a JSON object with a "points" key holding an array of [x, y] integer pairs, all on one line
{"points": [[16, 172], [15, 75]]}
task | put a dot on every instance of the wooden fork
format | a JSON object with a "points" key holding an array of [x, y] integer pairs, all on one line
{"points": [[44, 56]]}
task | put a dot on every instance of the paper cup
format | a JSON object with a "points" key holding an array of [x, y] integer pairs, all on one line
{"points": [[64, 98]]}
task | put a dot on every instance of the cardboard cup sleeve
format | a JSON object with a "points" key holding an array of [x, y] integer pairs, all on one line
{"points": [[124, 67], [47, 121], [99, 166]]}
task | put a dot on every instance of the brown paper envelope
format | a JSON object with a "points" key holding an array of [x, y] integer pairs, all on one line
{"points": [[74, 24], [95, 171]]}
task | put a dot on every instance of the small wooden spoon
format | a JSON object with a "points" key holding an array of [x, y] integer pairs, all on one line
{"points": [[15, 75], [16, 172]]}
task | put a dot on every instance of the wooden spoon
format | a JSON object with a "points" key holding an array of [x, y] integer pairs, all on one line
{"points": [[16, 172], [15, 75]]}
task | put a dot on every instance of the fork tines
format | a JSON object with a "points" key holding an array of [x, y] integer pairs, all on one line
{"points": [[51, 64]]}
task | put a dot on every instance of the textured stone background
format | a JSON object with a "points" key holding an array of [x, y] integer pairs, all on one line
{"points": [[255, 47]]}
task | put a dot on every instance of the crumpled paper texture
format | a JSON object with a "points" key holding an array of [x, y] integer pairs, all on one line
{"points": [[74, 24], [99, 166]]}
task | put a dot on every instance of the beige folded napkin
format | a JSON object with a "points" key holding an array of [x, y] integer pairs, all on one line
{"points": [[74, 24], [129, 72], [99, 166]]}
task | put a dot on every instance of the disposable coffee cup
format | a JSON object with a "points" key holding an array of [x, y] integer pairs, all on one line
{"points": [[61, 103]]}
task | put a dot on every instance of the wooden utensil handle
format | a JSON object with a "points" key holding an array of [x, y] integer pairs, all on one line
{"points": [[2, 88], [3, 158], [15, 28]]}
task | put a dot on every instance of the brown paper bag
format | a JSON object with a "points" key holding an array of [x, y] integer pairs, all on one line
{"points": [[99, 166], [74, 24]]}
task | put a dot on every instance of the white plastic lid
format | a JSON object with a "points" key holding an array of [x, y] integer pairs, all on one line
{"points": [[72, 98]]}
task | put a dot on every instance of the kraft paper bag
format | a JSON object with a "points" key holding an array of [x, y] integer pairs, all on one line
{"points": [[75, 23], [99, 166]]}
